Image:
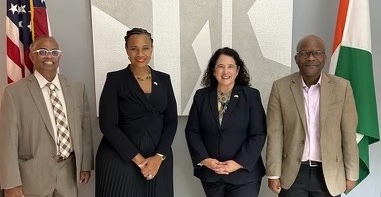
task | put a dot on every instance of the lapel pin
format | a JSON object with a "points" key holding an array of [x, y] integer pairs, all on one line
{"points": [[155, 83], [235, 96]]}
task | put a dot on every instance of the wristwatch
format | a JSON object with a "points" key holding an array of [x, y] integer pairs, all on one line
{"points": [[162, 157]]}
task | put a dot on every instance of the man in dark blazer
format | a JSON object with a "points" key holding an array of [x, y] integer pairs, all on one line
{"points": [[31, 163], [311, 127], [236, 140]]}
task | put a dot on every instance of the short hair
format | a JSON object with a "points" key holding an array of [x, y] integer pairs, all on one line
{"points": [[38, 40], [243, 77], [137, 31], [309, 37]]}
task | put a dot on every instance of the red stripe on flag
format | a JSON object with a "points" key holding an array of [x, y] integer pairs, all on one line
{"points": [[340, 23], [40, 22], [9, 80], [27, 61], [13, 52]]}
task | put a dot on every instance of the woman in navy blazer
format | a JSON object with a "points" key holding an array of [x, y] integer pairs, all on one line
{"points": [[226, 129], [138, 119]]}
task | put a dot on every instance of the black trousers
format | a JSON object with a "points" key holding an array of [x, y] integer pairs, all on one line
{"points": [[223, 189], [308, 183]]}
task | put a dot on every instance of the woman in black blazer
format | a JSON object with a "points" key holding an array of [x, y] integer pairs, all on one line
{"points": [[138, 119], [226, 129]]}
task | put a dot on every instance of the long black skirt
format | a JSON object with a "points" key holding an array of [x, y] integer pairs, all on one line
{"points": [[118, 178]]}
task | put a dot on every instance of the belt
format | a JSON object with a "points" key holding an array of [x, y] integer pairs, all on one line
{"points": [[61, 159], [311, 163]]}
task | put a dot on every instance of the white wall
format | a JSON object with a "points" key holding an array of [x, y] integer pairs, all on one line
{"points": [[71, 25]]}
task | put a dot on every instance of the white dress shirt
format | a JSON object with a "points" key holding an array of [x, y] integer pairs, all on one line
{"points": [[311, 106], [46, 93]]}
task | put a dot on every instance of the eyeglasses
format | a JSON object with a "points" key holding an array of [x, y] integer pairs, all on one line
{"points": [[44, 52], [306, 54]]}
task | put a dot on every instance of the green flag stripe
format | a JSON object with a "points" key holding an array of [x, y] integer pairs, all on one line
{"points": [[356, 66], [363, 146]]}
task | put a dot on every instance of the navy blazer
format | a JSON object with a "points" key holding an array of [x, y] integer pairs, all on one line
{"points": [[125, 113], [240, 137]]}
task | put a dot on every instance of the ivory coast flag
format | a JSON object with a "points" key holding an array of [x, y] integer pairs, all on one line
{"points": [[352, 60]]}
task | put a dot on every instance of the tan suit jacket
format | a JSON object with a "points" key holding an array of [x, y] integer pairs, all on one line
{"points": [[27, 145], [286, 128]]}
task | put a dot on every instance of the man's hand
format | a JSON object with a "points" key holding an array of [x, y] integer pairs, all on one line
{"points": [[350, 184], [274, 185], [13, 192], [84, 177]]}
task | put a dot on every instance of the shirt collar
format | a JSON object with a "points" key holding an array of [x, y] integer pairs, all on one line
{"points": [[42, 81], [304, 84]]}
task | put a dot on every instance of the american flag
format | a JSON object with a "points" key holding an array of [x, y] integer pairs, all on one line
{"points": [[25, 21]]}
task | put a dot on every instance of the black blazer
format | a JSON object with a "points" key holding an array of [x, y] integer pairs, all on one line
{"points": [[240, 137], [125, 113]]}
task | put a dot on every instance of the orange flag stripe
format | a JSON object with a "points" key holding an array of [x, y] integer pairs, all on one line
{"points": [[340, 23]]}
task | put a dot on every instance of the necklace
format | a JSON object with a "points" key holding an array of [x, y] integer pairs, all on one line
{"points": [[148, 77], [222, 103]]}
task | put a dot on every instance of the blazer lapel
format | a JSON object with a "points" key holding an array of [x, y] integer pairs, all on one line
{"points": [[134, 85], [69, 101], [232, 103], [156, 89], [325, 98], [213, 104], [296, 89], [39, 100]]}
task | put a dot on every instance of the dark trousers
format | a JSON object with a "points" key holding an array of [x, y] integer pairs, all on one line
{"points": [[223, 189], [308, 183]]}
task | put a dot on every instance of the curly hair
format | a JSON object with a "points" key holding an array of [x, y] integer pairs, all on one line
{"points": [[137, 31], [243, 77]]}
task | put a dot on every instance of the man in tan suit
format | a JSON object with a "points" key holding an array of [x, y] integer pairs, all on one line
{"points": [[311, 126], [46, 146]]}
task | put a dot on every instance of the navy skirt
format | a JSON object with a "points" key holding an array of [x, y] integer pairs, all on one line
{"points": [[118, 178]]}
